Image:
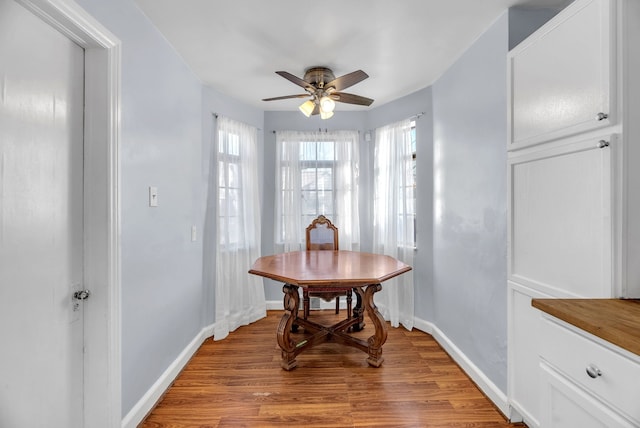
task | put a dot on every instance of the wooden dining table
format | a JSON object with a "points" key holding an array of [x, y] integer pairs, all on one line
{"points": [[364, 272]]}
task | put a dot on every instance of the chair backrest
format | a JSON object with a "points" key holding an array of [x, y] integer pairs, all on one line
{"points": [[322, 235]]}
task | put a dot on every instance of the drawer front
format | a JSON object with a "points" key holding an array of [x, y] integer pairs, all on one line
{"points": [[565, 405], [572, 353]]}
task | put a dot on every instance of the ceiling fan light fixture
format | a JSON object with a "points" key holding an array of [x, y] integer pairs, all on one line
{"points": [[325, 114], [327, 104], [307, 107], [325, 90]]}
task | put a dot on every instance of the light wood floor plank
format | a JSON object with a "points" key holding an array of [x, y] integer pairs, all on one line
{"points": [[238, 382]]}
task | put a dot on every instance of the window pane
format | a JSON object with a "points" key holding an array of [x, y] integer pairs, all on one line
{"points": [[234, 175], [307, 150], [309, 202], [222, 202], [233, 224], [410, 200], [325, 202], [309, 179], [222, 182], [234, 145], [233, 203], [413, 137], [307, 219], [325, 150], [325, 180], [228, 204]]}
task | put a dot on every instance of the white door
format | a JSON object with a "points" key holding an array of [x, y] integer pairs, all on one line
{"points": [[41, 223]]}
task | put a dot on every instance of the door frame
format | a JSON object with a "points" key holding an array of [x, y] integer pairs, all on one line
{"points": [[102, 337]]}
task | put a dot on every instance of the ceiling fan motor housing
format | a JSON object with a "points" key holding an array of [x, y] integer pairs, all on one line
{"points": [[318, 76]]}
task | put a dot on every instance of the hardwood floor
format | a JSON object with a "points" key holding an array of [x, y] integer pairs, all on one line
{"points": [[238, 382]]}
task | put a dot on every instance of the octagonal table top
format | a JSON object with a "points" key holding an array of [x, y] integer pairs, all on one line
{"points": [[328, 268]]}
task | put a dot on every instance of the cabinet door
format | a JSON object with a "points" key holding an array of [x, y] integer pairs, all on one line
{"points": [[523, 353], [561, 77], [560, 226], [565, 405]]}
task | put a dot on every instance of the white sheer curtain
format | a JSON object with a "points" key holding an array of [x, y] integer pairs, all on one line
{"points": [[292, 159], [393, 218], [239, 296], [289, 229]]}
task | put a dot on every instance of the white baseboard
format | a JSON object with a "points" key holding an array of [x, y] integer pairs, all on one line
{"points": [[485, 384], [149, 400], [274, 305], [423, 325]]}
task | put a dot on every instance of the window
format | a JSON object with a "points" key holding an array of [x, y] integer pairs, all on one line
{"points": [[411, 191], [317, 174], [229, 188], [317, 160], [238, 207], [395, 180]]}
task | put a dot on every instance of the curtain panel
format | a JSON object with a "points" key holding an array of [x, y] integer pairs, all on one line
{"points": [[393, 233], [239, 296]]}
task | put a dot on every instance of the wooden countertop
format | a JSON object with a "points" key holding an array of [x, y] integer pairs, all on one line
{"points": [[614, 320]]}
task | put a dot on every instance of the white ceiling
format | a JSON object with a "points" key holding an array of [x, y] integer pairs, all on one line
{"points": [[235, 46]]}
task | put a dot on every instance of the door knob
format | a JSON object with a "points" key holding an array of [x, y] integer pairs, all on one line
{"points": [[82, 295]]}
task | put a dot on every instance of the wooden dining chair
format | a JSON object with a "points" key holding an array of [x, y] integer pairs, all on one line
{"points": [[321, 234]]}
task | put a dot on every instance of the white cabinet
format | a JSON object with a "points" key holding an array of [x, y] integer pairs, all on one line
{"points": [[585, 381], [566, 405], [561, 77], [573, 177], [524, 339], [560, 217]]}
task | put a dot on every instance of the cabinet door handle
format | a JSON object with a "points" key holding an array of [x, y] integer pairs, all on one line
{"points": [[602, 144], [593, 371], [602, 116]]}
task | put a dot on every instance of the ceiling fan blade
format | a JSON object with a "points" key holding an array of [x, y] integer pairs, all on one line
{"points": [[298, 81], [286, 97], [343, 97], [343, 82]]}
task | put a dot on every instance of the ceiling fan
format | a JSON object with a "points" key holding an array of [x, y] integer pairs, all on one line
{"points": [[324, 89]]}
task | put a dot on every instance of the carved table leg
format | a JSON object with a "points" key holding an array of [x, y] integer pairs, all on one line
{"points": [[358, 310], [306, 302], [288, 345], [380, 336]]}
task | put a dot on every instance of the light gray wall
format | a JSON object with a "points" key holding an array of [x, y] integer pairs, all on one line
{"points": [[524, 21], [470, 229], [167, 125], [470, 196]]}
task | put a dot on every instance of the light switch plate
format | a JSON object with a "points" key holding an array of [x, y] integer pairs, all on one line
{"points": [[153, 196]]}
